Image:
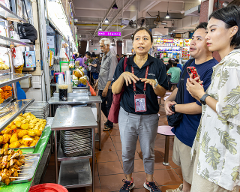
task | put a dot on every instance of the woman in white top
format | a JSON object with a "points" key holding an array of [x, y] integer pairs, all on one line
{"points": [[217, 143]]}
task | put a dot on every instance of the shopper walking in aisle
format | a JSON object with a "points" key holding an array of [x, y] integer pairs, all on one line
{"points": [[80, 59], [185, 132], [178, 64], [95, 68], [108, 66], [168, 66], [175, 72], [143, 80], [118, 58], [89, 60], [85, 57], [217, 144]]}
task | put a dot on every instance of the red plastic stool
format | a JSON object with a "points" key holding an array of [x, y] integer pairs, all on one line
{"points": [[48, 187], [165, 130]]}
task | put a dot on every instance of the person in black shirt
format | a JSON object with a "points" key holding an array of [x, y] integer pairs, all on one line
{"points": [[143, 80], [169, 65]]}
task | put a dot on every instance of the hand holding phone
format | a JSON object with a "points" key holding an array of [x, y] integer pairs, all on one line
{"points": [[193, 70]]}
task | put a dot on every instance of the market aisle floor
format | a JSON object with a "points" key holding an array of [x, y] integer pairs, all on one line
{"points": [[108, 166]]}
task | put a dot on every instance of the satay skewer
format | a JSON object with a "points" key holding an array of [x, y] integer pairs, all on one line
{"points": [[17, 177]]}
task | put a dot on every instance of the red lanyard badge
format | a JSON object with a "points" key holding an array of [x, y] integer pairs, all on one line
{"points": [[140, 99], [145, 85]]}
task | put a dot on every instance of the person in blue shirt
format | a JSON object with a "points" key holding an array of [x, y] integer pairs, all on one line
{"points": [[185, 132], [178, 64]]}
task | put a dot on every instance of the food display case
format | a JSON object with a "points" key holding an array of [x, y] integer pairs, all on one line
{"points": [[10, 109]]}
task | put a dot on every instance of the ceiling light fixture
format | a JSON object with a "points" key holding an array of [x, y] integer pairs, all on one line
{"points": [[167, 16], [100, 28], [106, 21], [115, 6]]}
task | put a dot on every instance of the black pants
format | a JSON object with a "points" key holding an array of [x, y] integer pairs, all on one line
{"points": [[106, 104]]}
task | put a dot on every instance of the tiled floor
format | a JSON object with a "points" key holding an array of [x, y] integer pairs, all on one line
{"points": [[109, 170]]}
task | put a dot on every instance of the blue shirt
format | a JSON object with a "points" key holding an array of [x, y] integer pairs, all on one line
{"points": [[180, 66], [187, 129]]}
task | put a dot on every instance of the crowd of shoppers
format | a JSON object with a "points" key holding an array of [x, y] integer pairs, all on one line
{"points": [[206, 142], [185, 132], [216, 145], [213, 165]]}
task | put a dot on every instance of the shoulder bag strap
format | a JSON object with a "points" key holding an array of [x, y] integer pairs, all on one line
{"points": [[182, 80], [125, 63]]}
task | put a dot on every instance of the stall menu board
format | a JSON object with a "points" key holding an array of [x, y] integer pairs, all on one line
{"points": [[168, 48], [163, 42], [185, 53], [178, 42], [187, 42]]}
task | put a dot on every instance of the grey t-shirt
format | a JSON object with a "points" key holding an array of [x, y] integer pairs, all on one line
{"points": [[108, 66]]}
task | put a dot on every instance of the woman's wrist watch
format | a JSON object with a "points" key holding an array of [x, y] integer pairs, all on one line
{"points": [[173, 108], [203, 99], [156, 84]]}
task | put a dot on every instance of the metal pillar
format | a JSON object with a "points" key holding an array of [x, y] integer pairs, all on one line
{"points": [[44, 51]]}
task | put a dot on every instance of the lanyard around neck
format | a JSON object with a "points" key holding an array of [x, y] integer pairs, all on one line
{"points": [[145, 86]]}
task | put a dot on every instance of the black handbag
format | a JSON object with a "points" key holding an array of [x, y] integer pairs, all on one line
{"points": [[175, 119], [27, 30]]}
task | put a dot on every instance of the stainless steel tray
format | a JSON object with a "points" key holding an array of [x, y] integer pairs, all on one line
{"points": [[29, 168]]}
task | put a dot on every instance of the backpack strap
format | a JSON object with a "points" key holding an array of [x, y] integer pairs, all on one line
{"points": [[125, 63]]}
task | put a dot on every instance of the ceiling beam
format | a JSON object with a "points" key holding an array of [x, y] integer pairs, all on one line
{"points": [[109, 9], [92, 9], [119, 13]]}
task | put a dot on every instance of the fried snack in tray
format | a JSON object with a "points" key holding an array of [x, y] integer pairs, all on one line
{"points": [[10, 163], [24, 131]]}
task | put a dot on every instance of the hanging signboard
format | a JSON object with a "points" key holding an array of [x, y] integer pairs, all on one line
{"points": [[109, 33], [50, 41], [30, 60]]}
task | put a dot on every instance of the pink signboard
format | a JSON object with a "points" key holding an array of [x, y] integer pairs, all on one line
{"points": [[109, 33]]}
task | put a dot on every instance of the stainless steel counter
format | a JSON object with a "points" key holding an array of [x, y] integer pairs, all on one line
{"points": [[75, 100], [54, 102], [71, 173], [73, 118]]}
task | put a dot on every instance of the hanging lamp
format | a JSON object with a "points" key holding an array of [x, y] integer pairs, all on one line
{"points": [[106, 21], [167, 16], [115, 6]]}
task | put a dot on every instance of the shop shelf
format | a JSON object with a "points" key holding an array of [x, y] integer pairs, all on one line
{"points": [[62, 157], [75, 173], [5, 103], [6, 42], [7, 14], [17, 107], [8, 78]]}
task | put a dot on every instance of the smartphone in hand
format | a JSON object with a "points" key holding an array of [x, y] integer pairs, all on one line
{"points": [[193, 70]]}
